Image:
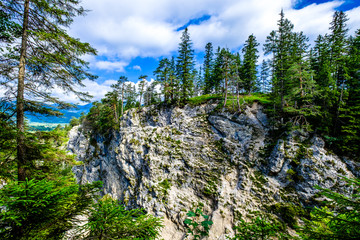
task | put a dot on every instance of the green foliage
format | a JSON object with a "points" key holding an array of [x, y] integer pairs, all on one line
{"points": [[338, 219], [110, 220], [74, 122], [185, 66], [197, 224], [42, 209], [288, 212], [208, 68], [249, 63], [7, 147], [196, 101], [260, 227]]}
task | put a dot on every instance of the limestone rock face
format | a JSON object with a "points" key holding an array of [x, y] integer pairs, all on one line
{"points": [[170, 160]]}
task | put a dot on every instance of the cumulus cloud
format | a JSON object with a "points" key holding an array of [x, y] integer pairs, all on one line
{"points": [[111, 66], [136, 67], [97, 90], [354, 19], [137, 28]]}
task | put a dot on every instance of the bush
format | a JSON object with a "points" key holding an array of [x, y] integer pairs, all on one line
{"points": [[42, 209], [110, 220]]}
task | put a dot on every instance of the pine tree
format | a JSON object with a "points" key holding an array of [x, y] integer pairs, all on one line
{"points": [[249, 63], [227, 60], [338, 46], [119, 89], [338, 52], [174, 82], [185, 66], [130, 95], [217, 73], [208, 68], [163, 76], [264, 84], [43, 56], [142, 85], [351, 111], [279, 43]]}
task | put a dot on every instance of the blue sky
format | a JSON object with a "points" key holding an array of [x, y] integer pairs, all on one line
{"points": [[132, 35]]}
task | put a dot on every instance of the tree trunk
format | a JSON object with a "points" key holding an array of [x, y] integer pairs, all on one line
{"points": [[226, 89], [122, 99], [21, 153], [237, 96], [116, 111]]}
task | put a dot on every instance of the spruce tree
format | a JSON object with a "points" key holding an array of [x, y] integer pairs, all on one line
{"points": [[208, 68], [227, 60], [264, 84], [249, 63], [142, 85], [338, 52], [217, 73], [185, 66], [163, 76], [279, 43], [350, 115], [44, 56]]}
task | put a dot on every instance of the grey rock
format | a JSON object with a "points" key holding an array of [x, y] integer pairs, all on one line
{"points": [[167, 160]]}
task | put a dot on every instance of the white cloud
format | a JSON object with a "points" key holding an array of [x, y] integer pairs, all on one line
{"points": [[111, 66], [136, 67], [95, 89], [354, 19], [128, 29]]}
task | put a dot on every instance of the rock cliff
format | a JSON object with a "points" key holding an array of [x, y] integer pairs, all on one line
{"points": [[169, 160]]}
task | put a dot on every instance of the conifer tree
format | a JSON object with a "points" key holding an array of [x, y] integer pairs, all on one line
{"points": [[217, 73], [142, 85], [119, 89], [338, 46], [338, 52], [279, 43], [44, 56], [351, 111], [227, 60], [208, 68], [264, 84], [185, 66], [174, 82], [163, 76], [249, 63]]}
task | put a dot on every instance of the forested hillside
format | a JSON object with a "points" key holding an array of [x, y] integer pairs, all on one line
{"points": [[280, 111]]}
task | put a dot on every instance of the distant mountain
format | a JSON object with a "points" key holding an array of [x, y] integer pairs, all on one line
{"points": [[65, 118]]}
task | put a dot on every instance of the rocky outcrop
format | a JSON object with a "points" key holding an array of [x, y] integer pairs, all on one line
{"points": [[169, 160]]}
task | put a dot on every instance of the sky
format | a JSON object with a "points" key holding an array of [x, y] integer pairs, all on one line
{"points": [[131, 36]]}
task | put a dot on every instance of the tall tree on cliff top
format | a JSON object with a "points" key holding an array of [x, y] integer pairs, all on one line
{"points": [[208, 67], [163, 76], [43, 57], [279, 43], [351, 112], [249, 63], [185, 66], [338, 59]]}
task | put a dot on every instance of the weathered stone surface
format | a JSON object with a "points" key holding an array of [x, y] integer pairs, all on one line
{"points": [[168, 160]]}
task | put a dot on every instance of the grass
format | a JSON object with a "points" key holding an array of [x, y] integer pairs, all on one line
{"points": [[195, 101], [232, 100]]}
